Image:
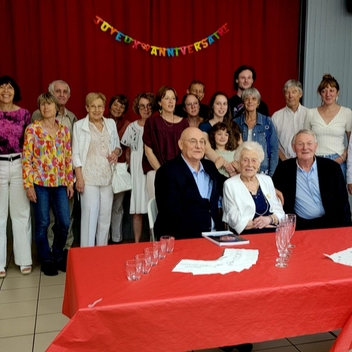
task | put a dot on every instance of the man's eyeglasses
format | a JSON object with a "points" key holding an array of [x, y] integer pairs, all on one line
{"points": [[193, 142], [143, 107]]}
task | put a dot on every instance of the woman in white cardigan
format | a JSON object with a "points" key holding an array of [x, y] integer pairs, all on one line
{"points": [[250, 204], [95, 146]]}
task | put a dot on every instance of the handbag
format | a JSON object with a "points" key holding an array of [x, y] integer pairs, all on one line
{"points": [[121, 178]]}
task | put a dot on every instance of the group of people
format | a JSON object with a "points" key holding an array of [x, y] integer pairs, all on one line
{"points": [[225, 163]]}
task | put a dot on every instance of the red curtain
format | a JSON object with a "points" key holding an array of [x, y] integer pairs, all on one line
{"points": [[46, 40]]}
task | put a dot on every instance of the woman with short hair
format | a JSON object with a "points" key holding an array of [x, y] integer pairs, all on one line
{"points": [[96, 146], [249, 202]]}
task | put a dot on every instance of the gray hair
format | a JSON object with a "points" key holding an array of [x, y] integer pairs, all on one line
{"points": [[304, 131], [292, 83], [251, 92], [255, 146], [51, 87]]}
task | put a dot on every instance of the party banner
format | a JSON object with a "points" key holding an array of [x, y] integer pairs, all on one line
{"points": [[159, 51]]}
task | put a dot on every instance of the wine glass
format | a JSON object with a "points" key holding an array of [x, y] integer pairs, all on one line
{"points": [[291, 221], [282, 238]]}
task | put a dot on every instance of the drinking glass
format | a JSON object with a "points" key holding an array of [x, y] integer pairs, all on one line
{"points": [[282, 239], [291, 223], [161, 246], [146, 262], [170, 243], [153, 252], [133, 269]]}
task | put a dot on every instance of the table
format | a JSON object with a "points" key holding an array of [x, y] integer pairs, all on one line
{"points": [[167, 311]]}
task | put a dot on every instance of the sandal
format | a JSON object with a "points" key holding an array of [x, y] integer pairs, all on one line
{"points": [[26, 269], [2, 272]]}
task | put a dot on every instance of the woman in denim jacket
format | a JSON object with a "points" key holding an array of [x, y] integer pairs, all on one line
{"points": [[259, 128]]}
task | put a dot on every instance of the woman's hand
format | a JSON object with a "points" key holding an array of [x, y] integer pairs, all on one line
{"points": [[70, 192], [349, 187], [113, 157], [230, 169], [31, 195], [80, 185], [262, 221]]}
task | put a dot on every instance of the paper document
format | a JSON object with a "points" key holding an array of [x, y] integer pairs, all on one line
{"points": [[232, 260]]}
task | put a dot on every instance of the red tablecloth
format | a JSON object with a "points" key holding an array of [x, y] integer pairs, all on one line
{"points": [[167, 311]]}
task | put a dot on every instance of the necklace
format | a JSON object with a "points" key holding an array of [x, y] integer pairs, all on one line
{"points": [[266, 209], [168, 124], [254, 189]]}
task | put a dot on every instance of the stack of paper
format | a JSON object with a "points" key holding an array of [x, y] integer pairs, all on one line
{"points": [[343, 257], [232, 260]]}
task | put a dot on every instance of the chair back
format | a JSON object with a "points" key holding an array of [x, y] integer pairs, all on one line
{"points": [[152, 213]]}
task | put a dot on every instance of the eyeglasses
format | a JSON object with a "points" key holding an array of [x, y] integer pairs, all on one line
{"points": [[144, 107], [193, 142], [196, 103], [99, 107]]}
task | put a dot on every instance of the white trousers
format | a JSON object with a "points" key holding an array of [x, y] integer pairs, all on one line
{"points": [[116, 217], [96, 204], [13, 199], [150, 184]]}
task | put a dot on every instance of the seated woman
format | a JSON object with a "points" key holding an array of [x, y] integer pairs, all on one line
{"points": [[250, 204]]}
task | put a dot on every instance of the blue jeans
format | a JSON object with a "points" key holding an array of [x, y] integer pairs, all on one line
{"points": [[343, 165], [56, 198]]}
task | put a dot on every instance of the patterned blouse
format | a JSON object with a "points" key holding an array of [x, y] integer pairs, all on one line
{"points": [[46, 161], [12, 126]]}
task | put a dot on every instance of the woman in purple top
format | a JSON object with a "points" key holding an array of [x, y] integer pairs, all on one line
{"points": [[13, 200], [161, 134]]}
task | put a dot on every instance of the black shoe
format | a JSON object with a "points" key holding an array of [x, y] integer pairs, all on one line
{"points": [[49, 269], [61, 264], [245, 347]]}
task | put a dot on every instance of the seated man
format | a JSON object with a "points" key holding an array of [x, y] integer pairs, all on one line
{"points": [[197, 88], [187, 190], [290, 119], [313, 187], [187, 193]]}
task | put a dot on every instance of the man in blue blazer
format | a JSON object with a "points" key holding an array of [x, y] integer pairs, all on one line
{"points": [[187, 190], [313, 187]]}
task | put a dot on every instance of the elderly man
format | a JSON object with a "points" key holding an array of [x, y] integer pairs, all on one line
{"points": [[197, 88], [313, 187], [187, 190], [67, 118], [62, 92], [243, 78], [290, 119]]}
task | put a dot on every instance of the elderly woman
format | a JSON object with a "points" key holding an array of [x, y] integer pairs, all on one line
{"points": [[95, 146], [48, 180], [161, 134], [250, 204], [259, 128], [143, 106], [191, 105], [118, 106], [330, 122], [13, 120]]}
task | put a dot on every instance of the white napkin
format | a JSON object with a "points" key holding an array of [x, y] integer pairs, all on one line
{"points": [[231, 260], [343, 257]]}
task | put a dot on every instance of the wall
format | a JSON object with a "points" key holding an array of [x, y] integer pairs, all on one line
{"points": [[328, 49]]}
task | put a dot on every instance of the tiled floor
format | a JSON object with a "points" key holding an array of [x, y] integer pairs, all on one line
{"points": [[30, 316]]}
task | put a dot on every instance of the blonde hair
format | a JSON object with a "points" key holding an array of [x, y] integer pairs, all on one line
{"points": [[93, 96]]}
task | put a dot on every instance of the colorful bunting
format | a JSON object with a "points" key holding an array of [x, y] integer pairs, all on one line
{"points": [[158, 51]]}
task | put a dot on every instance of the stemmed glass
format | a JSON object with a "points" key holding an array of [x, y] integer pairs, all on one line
{"points": [[282, 239], [291, 223]]}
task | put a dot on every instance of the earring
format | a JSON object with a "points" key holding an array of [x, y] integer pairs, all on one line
{"points": [[160, 110]]}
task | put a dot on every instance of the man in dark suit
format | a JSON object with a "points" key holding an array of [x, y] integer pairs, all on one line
{"points": [[187, 190], [313, 187]]}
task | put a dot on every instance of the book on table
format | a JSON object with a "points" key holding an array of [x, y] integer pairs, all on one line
{"points": [[224, 238]]}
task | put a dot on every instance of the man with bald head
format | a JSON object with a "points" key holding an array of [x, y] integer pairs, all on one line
{"points": [[187, 190]]}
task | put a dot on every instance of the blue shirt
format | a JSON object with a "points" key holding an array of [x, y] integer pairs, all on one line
{"points": [[308, 204], [203, 182]]}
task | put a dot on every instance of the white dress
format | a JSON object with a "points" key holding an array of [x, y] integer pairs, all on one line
{"points": [[133, 138]]}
